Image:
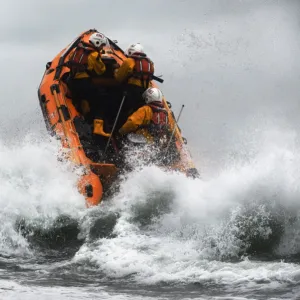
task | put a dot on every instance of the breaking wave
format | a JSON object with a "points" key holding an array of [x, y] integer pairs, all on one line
{"points": [[240, 227]]}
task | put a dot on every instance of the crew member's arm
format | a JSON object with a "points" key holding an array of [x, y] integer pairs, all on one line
{"points": [[96, 64], [141, 117], [125, 70]]}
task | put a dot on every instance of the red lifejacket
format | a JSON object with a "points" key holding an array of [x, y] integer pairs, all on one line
{"points": [[159, 122], [143, 69], [78, 61]]}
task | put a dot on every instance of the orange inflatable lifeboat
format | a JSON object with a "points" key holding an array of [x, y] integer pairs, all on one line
{"points": [[64, 120]]}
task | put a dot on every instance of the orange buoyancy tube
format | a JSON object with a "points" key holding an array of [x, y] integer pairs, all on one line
{"points": [[91, 187]]}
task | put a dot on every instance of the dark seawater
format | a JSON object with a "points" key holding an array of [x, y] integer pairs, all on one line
{"points": [[161, 236]]}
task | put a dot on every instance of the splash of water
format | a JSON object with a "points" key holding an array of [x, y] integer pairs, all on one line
{"points": [[161, 226], [36, 187], [172, 228]]}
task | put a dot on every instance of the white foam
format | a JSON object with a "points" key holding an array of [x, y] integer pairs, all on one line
{"points": [[171, 228], [34, 186], [13, 291], [201, 223]]}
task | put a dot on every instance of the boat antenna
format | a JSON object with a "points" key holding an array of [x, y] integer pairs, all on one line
{"points": [[116, 120], [175, 126]]}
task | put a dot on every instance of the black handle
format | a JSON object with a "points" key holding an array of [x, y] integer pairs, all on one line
{"points": [[157, 79]]}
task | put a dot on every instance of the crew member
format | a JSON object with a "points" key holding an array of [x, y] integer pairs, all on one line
{"points": [[85, 63], [136, 73]]}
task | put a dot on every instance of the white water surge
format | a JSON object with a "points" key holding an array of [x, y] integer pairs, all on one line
{"points": [[170, 229], [34, 185]]}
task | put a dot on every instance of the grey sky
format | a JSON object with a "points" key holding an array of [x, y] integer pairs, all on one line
{"points": [[233, 63]]}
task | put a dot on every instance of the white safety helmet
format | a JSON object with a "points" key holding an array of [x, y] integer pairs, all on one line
{"points": [[134, 48], [152, 95], [98, 39]]}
